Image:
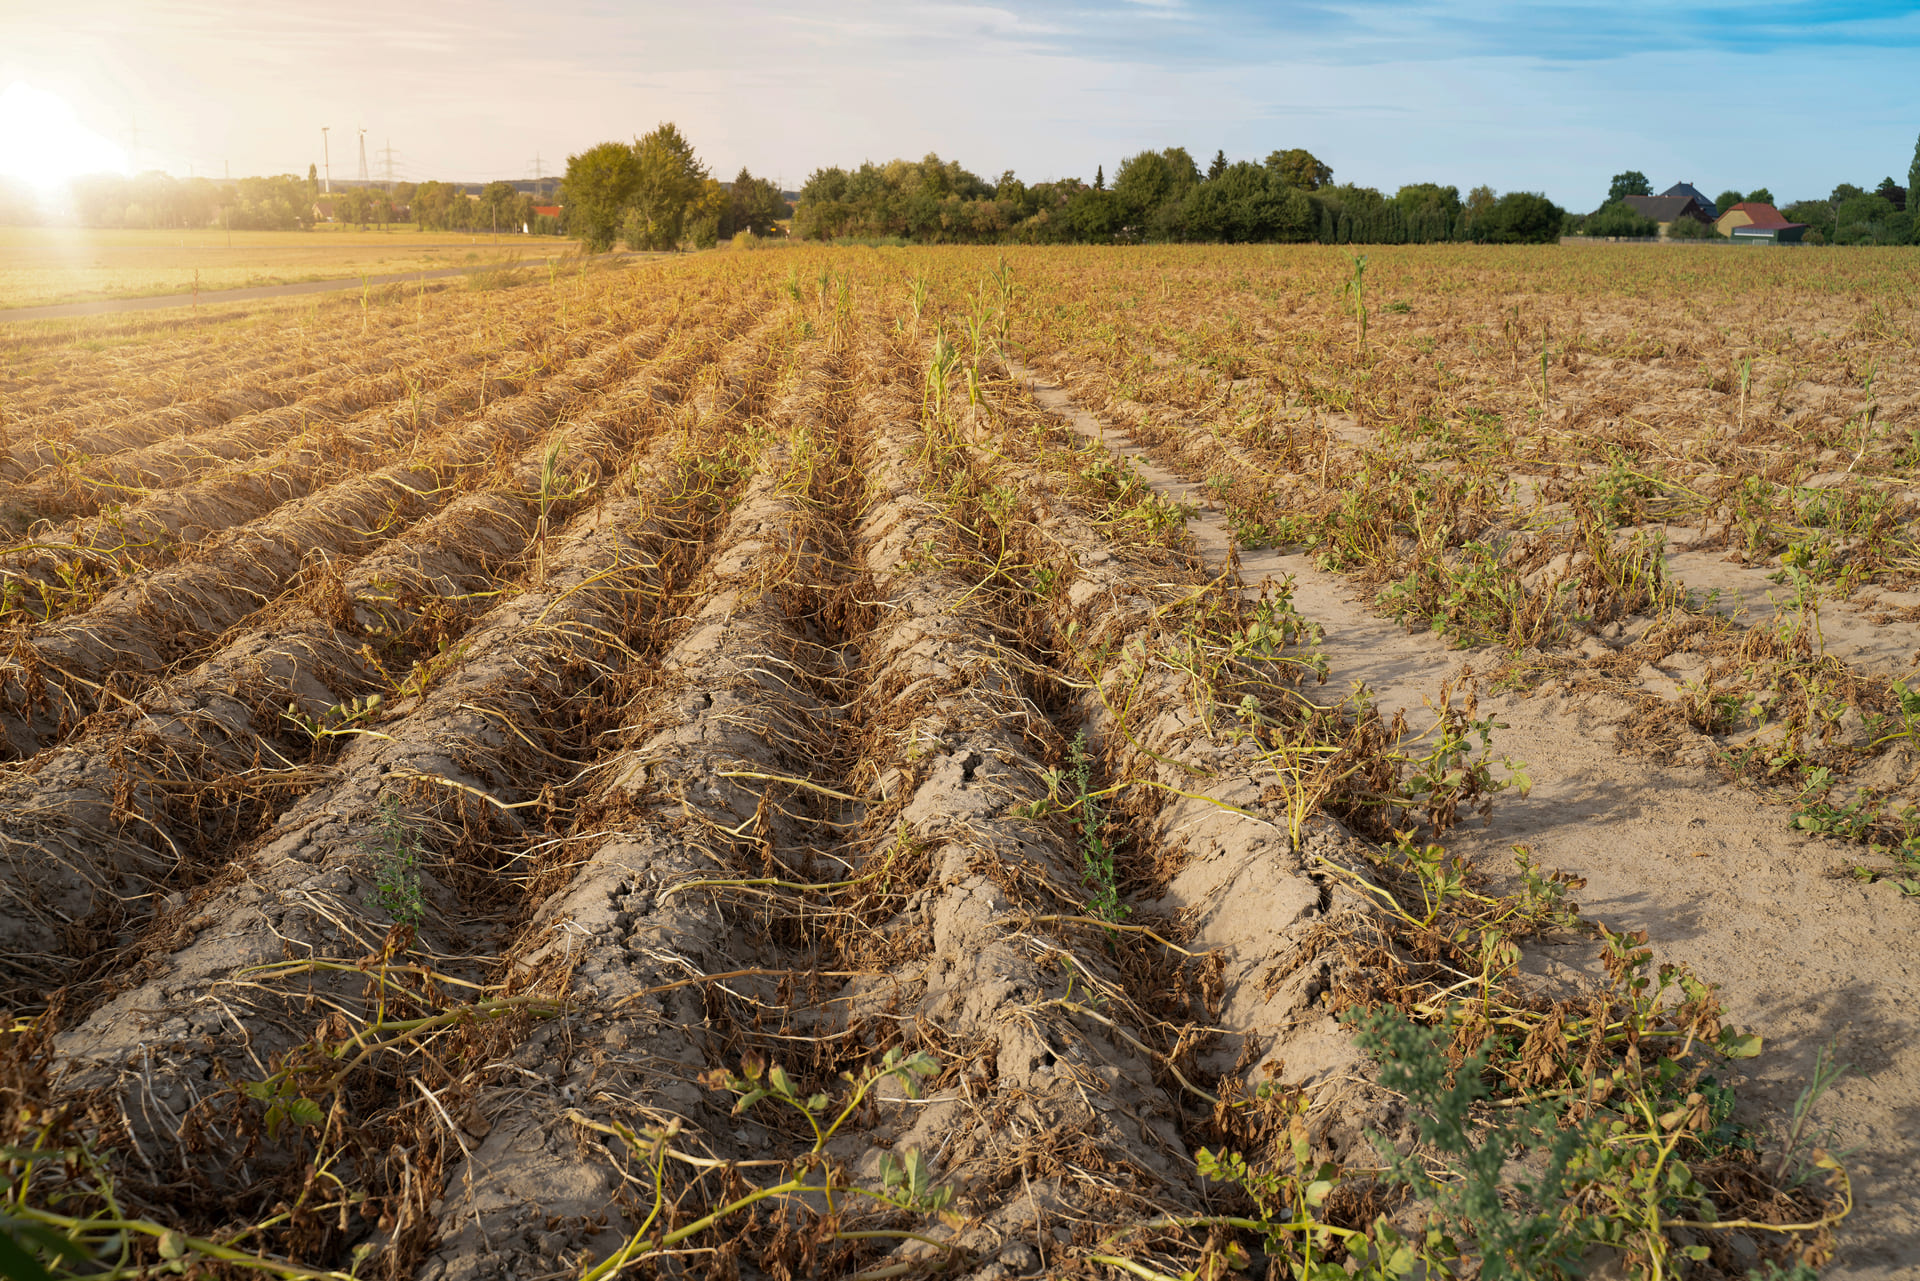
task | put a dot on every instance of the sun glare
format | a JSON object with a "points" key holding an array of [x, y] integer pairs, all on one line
{"points": [[44, 144]]}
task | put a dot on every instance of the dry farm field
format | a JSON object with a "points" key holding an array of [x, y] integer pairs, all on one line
{"points": [[891, 763], [40, 266]]}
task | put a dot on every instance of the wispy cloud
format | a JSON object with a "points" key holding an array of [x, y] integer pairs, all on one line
{"points": [[1552, 96]]}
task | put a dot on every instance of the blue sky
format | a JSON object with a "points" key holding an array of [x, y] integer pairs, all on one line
{"points": [[1554, 97]]}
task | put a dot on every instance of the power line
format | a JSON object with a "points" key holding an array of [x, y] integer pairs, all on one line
{"points": [[387, 154]]}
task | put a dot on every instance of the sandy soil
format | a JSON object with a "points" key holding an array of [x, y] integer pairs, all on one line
{"points": [[1802, 953]]}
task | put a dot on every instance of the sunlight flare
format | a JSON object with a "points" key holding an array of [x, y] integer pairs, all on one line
{"points": [[44, 144]]}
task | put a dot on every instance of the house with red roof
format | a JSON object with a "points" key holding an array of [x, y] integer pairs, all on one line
{"points": [[1751, 222]]}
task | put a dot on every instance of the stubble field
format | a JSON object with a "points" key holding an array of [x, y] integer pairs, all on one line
{"points": [[42, 266], [889, 763]]}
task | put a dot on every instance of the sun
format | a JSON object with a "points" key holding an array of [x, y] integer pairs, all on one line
{"points": [[44, 144]]}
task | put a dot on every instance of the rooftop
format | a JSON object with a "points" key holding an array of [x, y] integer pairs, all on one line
{"points": [[1667, 208], [1763, 215]]}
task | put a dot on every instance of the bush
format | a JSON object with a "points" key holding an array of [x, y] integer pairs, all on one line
{"points": [[1522, 218], [1247, 203], [1864, 220], [1817, 215], [1691, 229], [1620, 219]]}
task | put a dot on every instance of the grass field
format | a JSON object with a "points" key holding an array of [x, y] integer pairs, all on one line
{"points": [[40, 266], [891, 763]]}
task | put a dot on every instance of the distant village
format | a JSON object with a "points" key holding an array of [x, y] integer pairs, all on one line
{"points": [[1749, 221]]}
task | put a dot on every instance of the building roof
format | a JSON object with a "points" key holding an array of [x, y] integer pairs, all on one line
{"points": [[1763, 215], [1667, 208], [547, 211], [1755, 229], [1687, 189]]}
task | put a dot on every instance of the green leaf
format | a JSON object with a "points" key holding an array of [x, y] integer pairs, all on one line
{"points": [[1736, 1046], [1318, 1191], [1698, 1253], [16, 1263]]}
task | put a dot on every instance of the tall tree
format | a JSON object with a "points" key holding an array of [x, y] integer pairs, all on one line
{"points": [[1153, 179], [1760, 196], [1892, 192], [1218, 167], [1300, 168], [1913, 170], [496, 207], [1726, 200], [433, 205], [1630, 183], [599, 184], [754, 205], [668, 180], [1100, 171]]}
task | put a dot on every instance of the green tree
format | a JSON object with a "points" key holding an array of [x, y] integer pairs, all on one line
{"points": [[1427, 211], [1218, 167], [1913, 173], [1760, 196], [668, 181], [754, 205], [1630, 183], [1726, 200], [1247, 202], [353, 205], [1892, 192], [1153, 181], [1621, 219], [1522, 218], [313, 183], [1864, 220], [1100, 171], [1816, 215], [1690, 229], [1090, 214], [1300, 168], [600, 182], [496, 207], [433, 205], [1844, 192], [706, 213]]}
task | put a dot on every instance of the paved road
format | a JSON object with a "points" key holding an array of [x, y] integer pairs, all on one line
{"points": [[210, 297]]}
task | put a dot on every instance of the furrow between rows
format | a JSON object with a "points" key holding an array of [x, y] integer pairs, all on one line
{"points": [[736, 696], [488, 736], [335, 391], [62, 565], [239, 716], [161, 617]]}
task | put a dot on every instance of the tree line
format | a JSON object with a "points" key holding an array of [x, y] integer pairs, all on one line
{"points": [[282, 202], [1160, 196], [655, 193]]}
